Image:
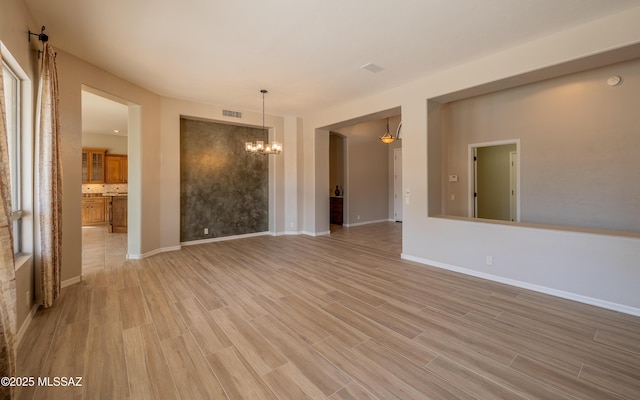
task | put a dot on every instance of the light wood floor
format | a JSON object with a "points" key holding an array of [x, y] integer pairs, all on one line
{"points": [[339, 317]]}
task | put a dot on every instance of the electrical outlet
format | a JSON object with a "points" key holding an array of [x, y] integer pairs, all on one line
{"points": [[28, 296], [291, 225], [358, 218], [489, 260], [206, 231]]}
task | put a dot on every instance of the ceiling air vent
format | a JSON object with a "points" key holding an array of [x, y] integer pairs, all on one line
{"points": [[234, 114]]}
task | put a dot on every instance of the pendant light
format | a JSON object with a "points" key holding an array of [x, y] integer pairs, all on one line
{"points": [[387, 138], [259, 147]]}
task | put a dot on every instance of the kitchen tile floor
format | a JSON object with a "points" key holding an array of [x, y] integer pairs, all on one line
{"points": [[102, 249]]}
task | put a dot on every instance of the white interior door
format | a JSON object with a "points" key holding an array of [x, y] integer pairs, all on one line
{"points": [[474, 193], [494, 185], [397, 184]]}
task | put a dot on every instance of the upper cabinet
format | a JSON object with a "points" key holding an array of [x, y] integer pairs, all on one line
{"points": [[116, 168], [93, 165]]}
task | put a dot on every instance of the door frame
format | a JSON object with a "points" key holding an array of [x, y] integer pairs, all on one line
{"points": [[513, 185], [471, 173], [134, 121], [397, 185]]}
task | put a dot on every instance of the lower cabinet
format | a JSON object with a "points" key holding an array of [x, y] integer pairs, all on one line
{"points": [[118, 221], [336, 210], [110, 210], [94, 211]]}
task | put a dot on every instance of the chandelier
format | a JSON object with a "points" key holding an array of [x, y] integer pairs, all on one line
{"points": [[259, 147]]}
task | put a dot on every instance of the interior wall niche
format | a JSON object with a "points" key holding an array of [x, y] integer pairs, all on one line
{"points": [[578, 148], [222, 188]]}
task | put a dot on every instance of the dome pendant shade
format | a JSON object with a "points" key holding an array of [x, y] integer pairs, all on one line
{"points": [[387, 138]]}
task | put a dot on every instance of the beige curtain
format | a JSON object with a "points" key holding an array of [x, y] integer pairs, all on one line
{"points": [[7, 272], [48, 183]]}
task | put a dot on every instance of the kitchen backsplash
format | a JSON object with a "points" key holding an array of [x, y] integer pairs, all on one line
{"points": [[104, 188]]}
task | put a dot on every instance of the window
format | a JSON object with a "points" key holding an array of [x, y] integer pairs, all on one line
{"points": [[12, 102], [18, 104]]}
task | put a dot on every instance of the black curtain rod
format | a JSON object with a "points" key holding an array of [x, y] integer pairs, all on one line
{"points": [[43, 37]]}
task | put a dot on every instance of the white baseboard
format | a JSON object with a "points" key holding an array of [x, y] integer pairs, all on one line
{"points": [[224, 238], [192, 243], [152, 253], [287, 233], [71, 281], [366, 223], [316, 233], [524, 285], [26, 323]]}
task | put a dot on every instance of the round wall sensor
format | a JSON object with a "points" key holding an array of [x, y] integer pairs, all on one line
{"points": [[614, 80]]}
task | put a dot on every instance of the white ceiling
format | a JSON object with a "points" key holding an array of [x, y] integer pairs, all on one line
{"points": [[103, 116], [307, 53]]}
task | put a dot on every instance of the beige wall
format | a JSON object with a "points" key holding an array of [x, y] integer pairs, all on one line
{"points": [[578, 143], [293, 186], [114, 144], [143, 151]]}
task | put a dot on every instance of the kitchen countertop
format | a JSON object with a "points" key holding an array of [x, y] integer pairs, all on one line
{"points": [[109, 194]]}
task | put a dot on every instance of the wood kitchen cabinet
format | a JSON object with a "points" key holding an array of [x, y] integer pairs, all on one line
{"points": [[119, 213], [94, 211], [116, 168], [93, 165]]}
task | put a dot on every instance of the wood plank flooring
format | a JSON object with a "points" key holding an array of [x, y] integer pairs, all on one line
{"points": [[335, 317]]}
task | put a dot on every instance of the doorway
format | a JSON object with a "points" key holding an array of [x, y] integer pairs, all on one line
{"points": [[495, 185], [337, 181], [368, 191], [105, 149]]}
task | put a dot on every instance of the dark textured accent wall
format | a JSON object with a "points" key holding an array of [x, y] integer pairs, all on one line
{"points": [[222, 187]]}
